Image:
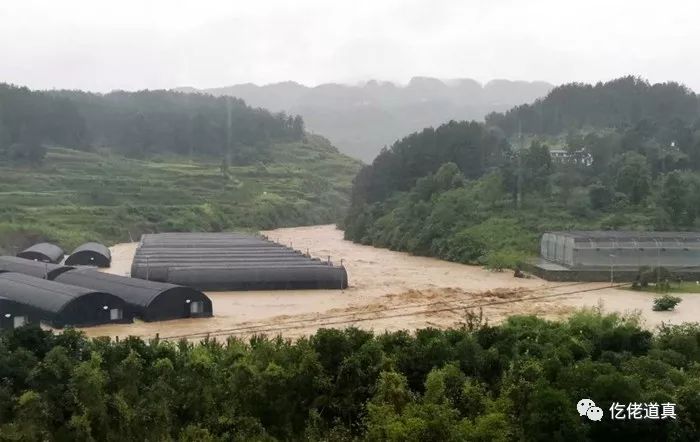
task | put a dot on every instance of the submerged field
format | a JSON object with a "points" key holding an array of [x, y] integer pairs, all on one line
{"points": [[76, 196], [389, 290]]}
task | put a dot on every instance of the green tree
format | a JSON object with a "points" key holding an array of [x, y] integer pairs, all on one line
{"points": [[4, 137], [490, 189], [88, 387], [674, 197], [633, 177], [600, 196], [537, 166], [491, 427], [551, 416], [28, 149], [392, 389], [32, 415]]}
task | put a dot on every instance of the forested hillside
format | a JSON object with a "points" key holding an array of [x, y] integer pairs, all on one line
{"points": [[482, 193], [618, 104], [138, 124], [519, 380]]}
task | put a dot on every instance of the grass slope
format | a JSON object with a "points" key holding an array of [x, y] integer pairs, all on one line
{"points": [[77, 196]]}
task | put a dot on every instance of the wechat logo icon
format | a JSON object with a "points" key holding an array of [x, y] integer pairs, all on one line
{"points": [[586, 407]]}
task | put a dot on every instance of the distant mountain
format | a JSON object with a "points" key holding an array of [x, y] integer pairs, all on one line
{"points": [[360, 120]]}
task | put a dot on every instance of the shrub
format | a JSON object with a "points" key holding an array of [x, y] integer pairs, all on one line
{"points": [[503, 259], [665, 303], [649, 275]]}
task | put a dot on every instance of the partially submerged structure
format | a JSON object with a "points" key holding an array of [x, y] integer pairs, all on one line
{"points": [[44, 252], [231, 261], [616, 255], [179, 240], [262, 277], [148, 300], [162, 269], [29, 267], [90, 254], [62, 305], [14, 314]]}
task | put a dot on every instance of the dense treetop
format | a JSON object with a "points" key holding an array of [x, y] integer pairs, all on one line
{"points": [[519, 380], [619, 103], [470, 145]]}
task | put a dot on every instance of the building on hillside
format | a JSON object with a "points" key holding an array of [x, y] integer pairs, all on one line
{"points": [[563, 156]]}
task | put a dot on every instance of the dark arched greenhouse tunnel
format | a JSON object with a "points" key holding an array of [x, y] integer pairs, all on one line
{"points": [[14, 314], [149, 300], [231, 261], [261, 278], [29, 267], [90, 254], [61, 305], [44, 252]]}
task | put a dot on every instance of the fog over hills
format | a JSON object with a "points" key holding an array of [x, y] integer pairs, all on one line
{"points": [[361, 119]]}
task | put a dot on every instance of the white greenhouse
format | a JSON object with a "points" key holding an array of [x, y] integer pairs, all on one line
{"points": [[596, 249]]}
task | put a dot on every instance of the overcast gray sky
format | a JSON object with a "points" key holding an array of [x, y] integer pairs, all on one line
{"points": [[136, 44]]}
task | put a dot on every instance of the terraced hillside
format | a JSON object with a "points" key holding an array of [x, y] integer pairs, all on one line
{"points": [[76, 196]]}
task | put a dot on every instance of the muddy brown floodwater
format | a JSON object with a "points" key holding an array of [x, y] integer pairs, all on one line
{"points": [[388, 291]]}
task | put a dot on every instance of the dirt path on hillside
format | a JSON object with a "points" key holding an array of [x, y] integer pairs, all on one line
{"points": [[388, 291]]}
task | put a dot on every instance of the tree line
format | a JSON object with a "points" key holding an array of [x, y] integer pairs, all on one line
{"points": [[520, 380], [618, 103], [138, 124], [637, 172]]}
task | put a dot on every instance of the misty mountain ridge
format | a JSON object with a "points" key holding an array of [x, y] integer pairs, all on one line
{"points": [[361, 119]]}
